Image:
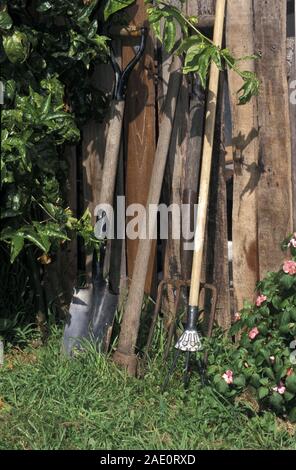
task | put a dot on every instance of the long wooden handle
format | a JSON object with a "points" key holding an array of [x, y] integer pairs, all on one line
{"points": [[206, 161], [131, 317], [112, 153]]}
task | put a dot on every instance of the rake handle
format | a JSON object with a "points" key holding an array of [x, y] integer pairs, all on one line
{"points": [[199, 236]]}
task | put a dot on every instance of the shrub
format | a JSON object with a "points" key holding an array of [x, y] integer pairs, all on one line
{"points": [[263, 359]]}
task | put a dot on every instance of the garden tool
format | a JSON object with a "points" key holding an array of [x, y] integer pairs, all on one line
{"points": [[125, 354], [178, 285], [190, 341], [93, 307]]}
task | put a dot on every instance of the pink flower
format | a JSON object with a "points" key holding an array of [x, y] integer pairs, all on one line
{"points": [[253, 333], [260, 300], [237, 316], [292, 242], [290, 267], [280, 388], [290, 372], [272, 359], [228, 377]]}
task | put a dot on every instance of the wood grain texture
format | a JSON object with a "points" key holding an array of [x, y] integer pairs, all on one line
{"points": [[217, 229], [93, 144], [139, 132], [201, 7], [199, 237], [275, 188], [131, 318], [292, 92], [240, 40]]}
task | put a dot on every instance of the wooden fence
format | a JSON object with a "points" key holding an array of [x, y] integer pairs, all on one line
{"points": [[252, 206]]}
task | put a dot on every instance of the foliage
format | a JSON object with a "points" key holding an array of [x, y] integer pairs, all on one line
{"points": [[198, 49], [47, 53], [47, 402], [16, 298], [264, 359]]}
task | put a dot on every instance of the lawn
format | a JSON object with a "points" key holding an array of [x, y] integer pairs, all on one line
{"points": [[48, 402]]}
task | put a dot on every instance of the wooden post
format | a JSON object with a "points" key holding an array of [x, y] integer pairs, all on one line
{"points": [[292, 96], [217, 238], [275, 188], [139, 134], [240, 40]]}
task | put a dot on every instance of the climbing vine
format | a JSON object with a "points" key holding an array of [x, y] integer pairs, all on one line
{"points": [[198, 50]]}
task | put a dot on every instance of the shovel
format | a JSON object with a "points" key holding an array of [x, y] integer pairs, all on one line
{"points": [[92, 309], [125, 354]]}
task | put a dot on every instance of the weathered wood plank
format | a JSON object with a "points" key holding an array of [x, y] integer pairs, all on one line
{"points": [[139, 129], [217, 228], [274, 190], [292, 93], [240, 40]]}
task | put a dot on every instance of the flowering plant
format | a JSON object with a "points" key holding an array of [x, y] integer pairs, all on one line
{"points": [[263, 359]]}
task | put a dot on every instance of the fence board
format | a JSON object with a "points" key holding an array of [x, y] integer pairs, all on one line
{"points": [[292, 89], [139, 128], [240, 40], [274, 190], [217, 227]]}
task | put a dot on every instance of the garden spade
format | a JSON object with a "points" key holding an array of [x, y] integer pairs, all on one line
{"points": [[125, 353], [92, 309]]}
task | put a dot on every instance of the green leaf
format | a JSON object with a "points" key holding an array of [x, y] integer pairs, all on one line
{"points": [[16, 47], [269, 372], [277, 402], [41, 242], [17, 244], [249, 89], [175, 13], [169, 35], [292, 415], [289, 396], [112, 6], [285, 329], [44, 6], [221, 385], [255, 380], [293, 314], [240, 381], [287, 281], [291, 383], [263, 392], [5, 19]]}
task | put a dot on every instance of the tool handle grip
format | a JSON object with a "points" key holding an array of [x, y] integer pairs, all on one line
{"points": [[112, 153]]}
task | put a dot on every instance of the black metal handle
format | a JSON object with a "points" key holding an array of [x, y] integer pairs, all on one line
{"points": [[122, 76]]}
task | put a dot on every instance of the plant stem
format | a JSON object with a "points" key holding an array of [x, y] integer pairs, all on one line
{"points": [[205, 38]]}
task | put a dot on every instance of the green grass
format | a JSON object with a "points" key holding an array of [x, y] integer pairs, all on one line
{"points": [[47, 402]]}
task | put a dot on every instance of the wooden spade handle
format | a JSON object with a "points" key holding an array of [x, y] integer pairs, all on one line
{"points": [[131, 318], [112, 153], [206, 161]]}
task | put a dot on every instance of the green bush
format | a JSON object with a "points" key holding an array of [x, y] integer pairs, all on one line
{"points": [[264, 358], [47, 54]]}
